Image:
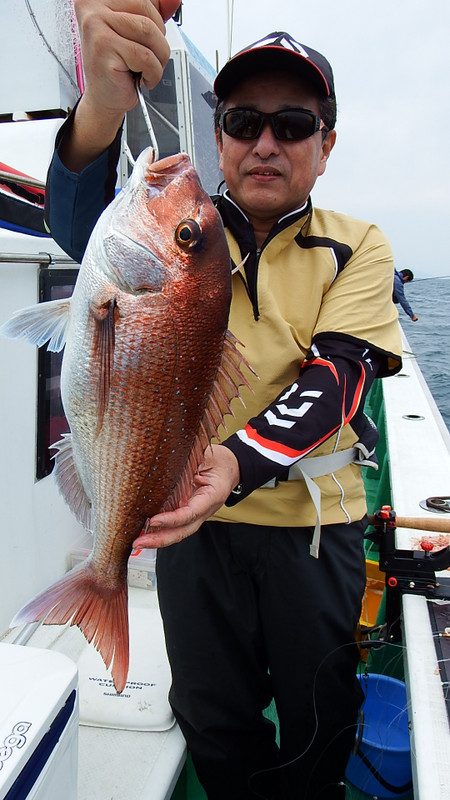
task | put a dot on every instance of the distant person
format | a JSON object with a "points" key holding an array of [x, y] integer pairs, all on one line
{"points": [[400, 277]]}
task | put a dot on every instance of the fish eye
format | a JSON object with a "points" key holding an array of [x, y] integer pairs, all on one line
{"points": [[188, 234]]}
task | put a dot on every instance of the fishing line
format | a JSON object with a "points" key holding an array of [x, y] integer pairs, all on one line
{"points": [[292, 761], [48, 45], [369, 644], [373, 643]]}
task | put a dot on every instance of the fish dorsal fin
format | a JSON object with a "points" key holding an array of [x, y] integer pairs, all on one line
{"points": [[69, 482], [229, 379], [41, 323]]}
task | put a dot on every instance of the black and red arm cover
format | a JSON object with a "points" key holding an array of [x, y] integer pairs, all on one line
{"points": [[329, 393]]}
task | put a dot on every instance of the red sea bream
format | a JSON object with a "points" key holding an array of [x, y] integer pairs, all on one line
{"points": [[149, 370]]}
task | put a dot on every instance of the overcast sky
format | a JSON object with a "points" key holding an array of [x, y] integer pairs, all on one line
{"points": [[391, 62]]}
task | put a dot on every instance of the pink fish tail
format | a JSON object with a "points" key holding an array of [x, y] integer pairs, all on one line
{"points": [[100, 612]]}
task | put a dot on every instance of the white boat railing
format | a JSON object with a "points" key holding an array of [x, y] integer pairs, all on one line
{"points": [[24, 180], [25, 633], [35, 258]]}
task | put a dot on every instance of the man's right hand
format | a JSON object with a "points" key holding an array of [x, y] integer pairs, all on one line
{"points": [[119, 37], [415, 318]]}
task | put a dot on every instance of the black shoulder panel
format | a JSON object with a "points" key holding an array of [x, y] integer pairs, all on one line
{"points": [[343, 252]]}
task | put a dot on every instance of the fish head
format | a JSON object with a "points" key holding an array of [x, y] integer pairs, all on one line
{"points": [[162, 235]]}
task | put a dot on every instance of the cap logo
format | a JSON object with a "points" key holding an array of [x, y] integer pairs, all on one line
{"points": [[281, 40]]}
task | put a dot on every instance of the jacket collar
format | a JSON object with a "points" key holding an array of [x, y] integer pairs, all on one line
{"points": [[238, 223]]}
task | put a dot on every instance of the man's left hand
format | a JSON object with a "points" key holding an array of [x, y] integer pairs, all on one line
{"points": [[215, 479]]}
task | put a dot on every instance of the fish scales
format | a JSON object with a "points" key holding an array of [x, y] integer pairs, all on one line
{"points": [[143, 382]]}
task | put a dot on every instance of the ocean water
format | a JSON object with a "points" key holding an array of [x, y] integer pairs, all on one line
{"points": [[429, 338]]}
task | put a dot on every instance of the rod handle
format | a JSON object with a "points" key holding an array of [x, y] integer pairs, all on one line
{"points": [[437, 524]]}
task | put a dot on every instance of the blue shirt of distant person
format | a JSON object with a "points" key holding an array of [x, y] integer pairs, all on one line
{"points": [[400, 278]]}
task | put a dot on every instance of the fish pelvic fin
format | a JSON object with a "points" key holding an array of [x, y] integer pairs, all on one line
{"points": [[230, 377], [104, 343], [69, 482], [41, 323], [100, 612]]}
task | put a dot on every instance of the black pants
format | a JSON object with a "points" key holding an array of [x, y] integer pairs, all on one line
{"points": [[250, 615]]}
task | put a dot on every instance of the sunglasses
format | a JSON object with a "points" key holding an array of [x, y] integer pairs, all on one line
{"points": [[288, 125]]}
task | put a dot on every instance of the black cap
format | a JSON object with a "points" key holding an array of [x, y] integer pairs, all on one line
{"points": [[277, 50]]}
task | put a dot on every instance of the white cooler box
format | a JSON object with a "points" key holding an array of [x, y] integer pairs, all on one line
{"points": [[38, 724]]}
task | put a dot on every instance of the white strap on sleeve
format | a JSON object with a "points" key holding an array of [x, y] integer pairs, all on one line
{"points": [[314, 467]]}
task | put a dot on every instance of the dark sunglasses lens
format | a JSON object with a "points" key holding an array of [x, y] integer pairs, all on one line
{"points": [[294, 125], [242, 123]]}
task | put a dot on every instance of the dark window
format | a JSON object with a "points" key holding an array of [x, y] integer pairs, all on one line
{"points": [[54, 284], [162, 108], [206, 158]]}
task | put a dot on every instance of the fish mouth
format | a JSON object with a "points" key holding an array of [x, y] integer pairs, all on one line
{"points": [[159, 174], [168, 167], [133, 267], [156, 175]]}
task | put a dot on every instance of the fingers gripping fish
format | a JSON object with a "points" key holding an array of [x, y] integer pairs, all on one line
{"points": [[149, 371]]}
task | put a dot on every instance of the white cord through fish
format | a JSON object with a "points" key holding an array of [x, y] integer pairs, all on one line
{"points": [[147, 119]]}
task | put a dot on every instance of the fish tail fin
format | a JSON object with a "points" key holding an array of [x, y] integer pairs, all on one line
{"points": [[100, 612]]}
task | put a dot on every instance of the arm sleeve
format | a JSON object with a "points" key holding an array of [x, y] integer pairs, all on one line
{"points": [[74, 201], [400, 295], [331, 388]]}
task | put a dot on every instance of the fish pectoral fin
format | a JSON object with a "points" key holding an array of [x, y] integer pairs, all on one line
{"points": [[104, 343], [230, 377], [69, 482], [41, 323], [100, 611]]}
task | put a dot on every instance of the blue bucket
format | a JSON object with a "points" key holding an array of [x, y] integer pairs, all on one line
{"points": [[381, 765]]}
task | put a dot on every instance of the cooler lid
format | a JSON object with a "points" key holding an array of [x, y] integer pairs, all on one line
{"points": [[37, 687]]}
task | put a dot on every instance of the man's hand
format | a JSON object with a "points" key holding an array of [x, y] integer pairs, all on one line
{"points": [[118, 37], [216, 478], [414, 318]]}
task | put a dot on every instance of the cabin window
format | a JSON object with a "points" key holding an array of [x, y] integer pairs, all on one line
{"points": [[54, 284], [206, 158]]}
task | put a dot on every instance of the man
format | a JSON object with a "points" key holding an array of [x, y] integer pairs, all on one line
{"points": [[263, 601], [401, 277]]}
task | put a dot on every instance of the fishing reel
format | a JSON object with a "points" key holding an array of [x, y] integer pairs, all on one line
{"points": [[406, 571]]}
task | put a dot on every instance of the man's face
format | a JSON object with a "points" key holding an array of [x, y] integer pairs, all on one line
{"points": [[265, 176]]}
